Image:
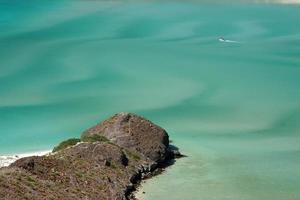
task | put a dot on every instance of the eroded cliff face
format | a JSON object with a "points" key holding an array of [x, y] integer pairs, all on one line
{"points": [[103, 169]]}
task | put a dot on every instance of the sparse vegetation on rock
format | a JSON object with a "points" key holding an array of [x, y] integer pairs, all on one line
{"points": [[94, 138], [66, 143]]}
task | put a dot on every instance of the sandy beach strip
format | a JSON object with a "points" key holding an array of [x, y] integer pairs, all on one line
{"points": [[278, 1], [6, 160]]}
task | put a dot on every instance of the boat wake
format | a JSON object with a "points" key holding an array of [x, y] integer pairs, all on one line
{"points": [[221, 39]]}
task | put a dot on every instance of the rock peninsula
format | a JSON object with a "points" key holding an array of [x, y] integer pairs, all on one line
{"points": [[106, 163]]}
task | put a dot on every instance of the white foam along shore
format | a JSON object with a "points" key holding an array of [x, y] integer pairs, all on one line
{"points": [[6, 160]]}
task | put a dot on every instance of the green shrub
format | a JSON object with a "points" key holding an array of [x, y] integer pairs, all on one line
{"points": [[66, 143], [132, 155], [94, 138], [30, 179]]}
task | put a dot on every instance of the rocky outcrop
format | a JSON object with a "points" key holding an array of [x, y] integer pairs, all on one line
{"points": [[99, 168], [136, 133]]}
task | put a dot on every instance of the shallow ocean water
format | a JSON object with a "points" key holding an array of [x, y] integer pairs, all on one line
{"points": [[233, 108]]}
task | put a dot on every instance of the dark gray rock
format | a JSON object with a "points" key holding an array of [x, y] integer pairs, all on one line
{"points": [[136, 133]]}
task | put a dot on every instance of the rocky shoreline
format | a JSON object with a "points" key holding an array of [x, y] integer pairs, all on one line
{"points": [[107, 162]]}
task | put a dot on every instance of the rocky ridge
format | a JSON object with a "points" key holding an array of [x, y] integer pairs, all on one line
{"points": [[108, 163]]}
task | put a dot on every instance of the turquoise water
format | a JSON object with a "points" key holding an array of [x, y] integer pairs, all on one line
{"points": [[233, 108]]}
